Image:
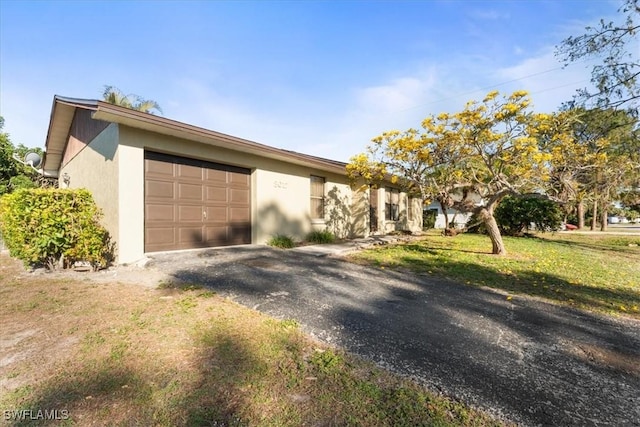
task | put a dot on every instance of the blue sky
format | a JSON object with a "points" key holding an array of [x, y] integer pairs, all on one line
{"points": [[318, 77]]}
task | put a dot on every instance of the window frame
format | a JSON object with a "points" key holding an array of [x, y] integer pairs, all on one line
{"points": [[314, 179], [391, 209]]}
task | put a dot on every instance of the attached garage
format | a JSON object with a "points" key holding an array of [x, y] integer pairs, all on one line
{"points": [[164, 185], [192, 203]]}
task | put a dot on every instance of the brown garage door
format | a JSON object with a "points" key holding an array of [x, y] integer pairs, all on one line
{"points": [[193, 204]]}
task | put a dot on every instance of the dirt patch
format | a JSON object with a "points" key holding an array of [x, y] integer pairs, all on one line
{"points": [[605, 357]]}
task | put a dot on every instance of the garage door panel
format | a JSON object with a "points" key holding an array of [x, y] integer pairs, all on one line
{"points": [[161, 236], [189, 172], [218, 176], [217, 214], [238, 196], [238, 178], [217, 235], [189, 191], [159, 212], [189, 213], [239, 215], [216, 194], [159, 189], [189, 236], [239, 233], [159, 168], [192, 203]]}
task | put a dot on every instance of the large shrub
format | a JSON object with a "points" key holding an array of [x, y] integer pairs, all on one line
{"points": [[516, 215], [54, 227], [429, 217]]}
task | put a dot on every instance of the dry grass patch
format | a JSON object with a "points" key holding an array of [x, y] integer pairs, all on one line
{"points": [[118, 354]]}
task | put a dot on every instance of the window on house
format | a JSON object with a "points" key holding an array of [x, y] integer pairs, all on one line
{"points": [[392, 204], [317, 197]]}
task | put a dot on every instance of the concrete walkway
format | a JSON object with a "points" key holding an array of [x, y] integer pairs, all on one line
{"points": [[523, 360]]}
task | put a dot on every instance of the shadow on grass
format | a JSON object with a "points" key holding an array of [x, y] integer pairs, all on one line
{"points": [[533, 283], [73, 391], [543, 364], [609, 246], [435, 252], [102, 391]]}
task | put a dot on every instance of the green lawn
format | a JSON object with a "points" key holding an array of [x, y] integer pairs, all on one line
{"points": [[122, 355], [595, 272]]}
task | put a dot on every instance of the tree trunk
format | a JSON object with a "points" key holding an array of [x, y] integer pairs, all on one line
{"points": [[594, 219], [446, 215], [493, 231], [580, 215], [603, 219]]}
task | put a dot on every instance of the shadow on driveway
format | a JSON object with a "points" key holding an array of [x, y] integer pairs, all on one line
{"points": [[528, 361]]}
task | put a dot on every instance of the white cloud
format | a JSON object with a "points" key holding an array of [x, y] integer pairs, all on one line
{"points": [[543, 76], [399, 94]]}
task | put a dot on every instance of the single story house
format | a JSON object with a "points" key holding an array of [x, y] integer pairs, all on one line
{"points": [[164, 185]]}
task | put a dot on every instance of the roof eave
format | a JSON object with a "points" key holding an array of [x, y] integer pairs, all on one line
{"points": [[62, 113], [150, 122]]}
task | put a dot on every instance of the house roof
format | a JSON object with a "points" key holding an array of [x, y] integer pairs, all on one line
{"points": [[64, 108]]}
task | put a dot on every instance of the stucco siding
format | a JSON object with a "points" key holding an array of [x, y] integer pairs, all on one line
{"points": [[131, 202], [95, 167], [280, 193], [282, 204]]}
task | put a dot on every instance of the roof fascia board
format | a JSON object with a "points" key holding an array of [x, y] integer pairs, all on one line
{"points": [[136, 119], [59, 127]]}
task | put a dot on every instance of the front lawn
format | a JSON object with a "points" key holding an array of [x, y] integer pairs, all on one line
{"points": [[118, 354], [593, 271]]}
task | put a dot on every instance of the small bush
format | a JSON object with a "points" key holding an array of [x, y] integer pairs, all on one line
{"points": [[281, 241], [515, 215], [51, 227], [323, 236]]}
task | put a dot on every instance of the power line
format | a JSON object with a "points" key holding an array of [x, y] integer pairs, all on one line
{"points": [[498, 85]]}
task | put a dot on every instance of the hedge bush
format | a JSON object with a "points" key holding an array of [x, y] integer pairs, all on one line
{"points": [[54, 227], [515, 215]]}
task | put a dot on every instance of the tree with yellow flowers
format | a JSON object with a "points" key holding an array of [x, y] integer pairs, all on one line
{"points": [[490, 148], [595, 154]]}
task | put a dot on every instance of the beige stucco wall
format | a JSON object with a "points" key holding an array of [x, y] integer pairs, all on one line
{"points": [[130, 202], [280, 192], [280, 199], [95, 167]]}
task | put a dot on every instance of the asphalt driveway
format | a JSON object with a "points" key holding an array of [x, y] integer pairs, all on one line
{"points": [[522, 359]]}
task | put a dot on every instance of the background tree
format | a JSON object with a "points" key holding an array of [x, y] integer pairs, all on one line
{"points": [[613, 148], [490, 148], [616, 76], [115, 96], [13, 174]]}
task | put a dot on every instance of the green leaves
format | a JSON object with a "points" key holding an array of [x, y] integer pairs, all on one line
{"points": [[44, 226]]}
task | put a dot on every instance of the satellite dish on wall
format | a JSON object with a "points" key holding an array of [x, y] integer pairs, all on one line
{"points": [[33, 159]]}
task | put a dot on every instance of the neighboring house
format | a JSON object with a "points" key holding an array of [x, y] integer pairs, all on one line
{"points": [[165, 185], [459, 219]]}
